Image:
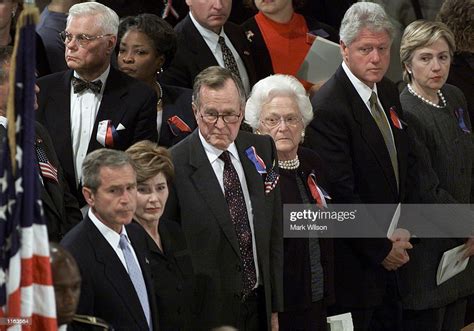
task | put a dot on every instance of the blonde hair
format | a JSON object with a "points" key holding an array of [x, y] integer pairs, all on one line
{"points": [[422, 33], [150, 160]]}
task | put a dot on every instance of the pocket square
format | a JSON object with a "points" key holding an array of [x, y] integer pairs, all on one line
{"points": [[120, 127], [107, 134]]}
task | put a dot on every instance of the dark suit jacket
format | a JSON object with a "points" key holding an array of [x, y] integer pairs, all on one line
{"points": [[261, 56], [177, 101], [193, 55], [107, 290], [61, 209], [125, 101], [347, 138], [196, 201], [172, 273]]}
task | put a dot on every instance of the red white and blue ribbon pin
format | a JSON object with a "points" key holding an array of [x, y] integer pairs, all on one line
{"points": [[256, 160], [460, 115], [317, 192], [395, 119]]}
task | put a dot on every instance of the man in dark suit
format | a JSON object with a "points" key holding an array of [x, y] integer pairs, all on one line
{"points": [[357, 132], [61, 210], [199, 45], [228, 204], [116, 283], [93, 105]]}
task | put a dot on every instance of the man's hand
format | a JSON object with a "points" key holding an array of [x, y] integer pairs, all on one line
{"points": [[398, 256], [400, 235], [275, 326], [469, 250]]}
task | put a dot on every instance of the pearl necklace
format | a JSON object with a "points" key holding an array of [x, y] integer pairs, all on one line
{"points": [[290, 164], [441, 96]]}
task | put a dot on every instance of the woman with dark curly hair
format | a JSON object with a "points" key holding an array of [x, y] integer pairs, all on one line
{"points": [[146, 46], [458, 15]]}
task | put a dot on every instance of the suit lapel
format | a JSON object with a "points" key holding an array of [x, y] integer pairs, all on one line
{"points": [[111, 107], [211, 192], [369, 130], [61, 101], [114, 271], [203, 55]]}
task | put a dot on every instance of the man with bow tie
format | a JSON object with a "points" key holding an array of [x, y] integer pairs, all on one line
{"points": [[227, 200], [93, 105]]}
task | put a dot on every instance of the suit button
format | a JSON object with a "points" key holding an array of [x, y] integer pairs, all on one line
{"points": [[179, 311], [237, 296], [170, 267], [238, 267], [179, 287]]}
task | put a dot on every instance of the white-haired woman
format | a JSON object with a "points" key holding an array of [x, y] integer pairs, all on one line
{"points": [[278, 106]]}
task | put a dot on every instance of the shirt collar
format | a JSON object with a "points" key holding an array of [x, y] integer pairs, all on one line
{"points": [[209, 36], [362, 89], [213, 153], [112, 237], [3, 121]]}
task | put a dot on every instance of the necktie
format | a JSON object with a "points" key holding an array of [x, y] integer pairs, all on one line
{"points": [[80, 85], [384, 128], [136, 277], [229, 60], [238, 213]]}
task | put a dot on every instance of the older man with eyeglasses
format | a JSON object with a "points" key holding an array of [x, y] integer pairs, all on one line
{"points": [[227, 198], [93, 105]]}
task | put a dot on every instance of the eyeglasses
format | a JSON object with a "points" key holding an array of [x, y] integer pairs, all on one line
{"points": [[212, 118], [274, 121], [82, 39]]}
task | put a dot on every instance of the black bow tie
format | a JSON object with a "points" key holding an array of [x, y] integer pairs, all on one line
{"points": [[80, 85]]}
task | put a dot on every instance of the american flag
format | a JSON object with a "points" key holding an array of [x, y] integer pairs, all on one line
{"points": [[26, 291], [271, 180], [46, 168]]}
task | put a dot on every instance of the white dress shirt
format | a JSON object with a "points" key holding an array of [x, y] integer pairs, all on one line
{"points": [[83, 112], [113, 238], [365, 92], [217, 164], [212, 41]]}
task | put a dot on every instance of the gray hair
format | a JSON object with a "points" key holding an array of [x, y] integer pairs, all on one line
{"points": [[106, 19], [99, 159], [277, 85], [215, 77], [419, 34], [364, 15]]}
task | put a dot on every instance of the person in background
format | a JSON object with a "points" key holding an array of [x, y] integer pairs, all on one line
{"points": [[67, 290], [93, 105], [458, 15], [206, 38], [170, 259], [60, 207], [9, 11], [438, 115], [146, 46], [278, 106], [278, 37], [52, 22], [356, 133]]}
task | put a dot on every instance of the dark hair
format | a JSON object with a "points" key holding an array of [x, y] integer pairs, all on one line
{"points": [[458, 15], [5, 57], [297, 4], [159, 31]]}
